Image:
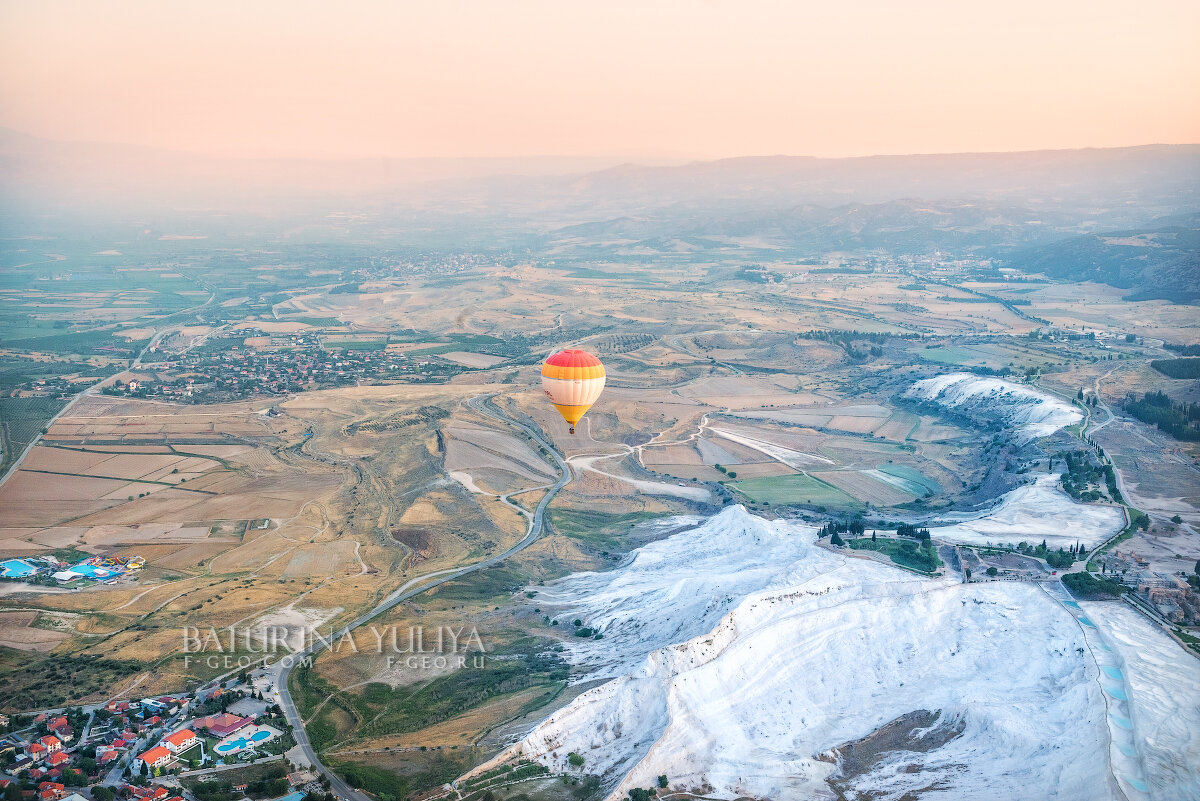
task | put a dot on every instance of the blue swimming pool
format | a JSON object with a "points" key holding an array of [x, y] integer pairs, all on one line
{"points": [[91, 571], [16, 568], [241, 743]]}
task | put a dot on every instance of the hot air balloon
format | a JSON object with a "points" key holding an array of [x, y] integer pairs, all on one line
{"points": [[572, 380]]}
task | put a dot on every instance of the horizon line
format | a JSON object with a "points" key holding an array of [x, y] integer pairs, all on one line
{"points": [[618, 159]]}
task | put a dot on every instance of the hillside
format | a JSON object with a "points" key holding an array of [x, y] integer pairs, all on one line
{"points": [[1160, 262]]}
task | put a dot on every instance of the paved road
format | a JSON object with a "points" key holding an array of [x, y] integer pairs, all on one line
{"points": [[415, 587]]}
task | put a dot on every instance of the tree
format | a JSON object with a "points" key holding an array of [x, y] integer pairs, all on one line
{"points": [[575, 759], [102, 793], [662, 781], [836, 539], [991, 571]]}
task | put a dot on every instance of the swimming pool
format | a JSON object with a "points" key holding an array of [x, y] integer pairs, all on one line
{"points": [[16, 568], [91, 571], [240, 742]]}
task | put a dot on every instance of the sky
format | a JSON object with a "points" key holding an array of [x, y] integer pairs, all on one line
{"points": [[655, 78]]}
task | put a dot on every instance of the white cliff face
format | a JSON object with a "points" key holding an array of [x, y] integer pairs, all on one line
{"points": [[742, 652], [675, 589], [1032, 513], [1029, 412]]}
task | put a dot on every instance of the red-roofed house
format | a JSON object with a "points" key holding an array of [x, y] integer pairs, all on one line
{"points": [[181, 740], [51, 791], [222, 725], [156, 757], [36, 751], [105, 755], [154, 720], [51, 743], [55, 723], [58, 759]]}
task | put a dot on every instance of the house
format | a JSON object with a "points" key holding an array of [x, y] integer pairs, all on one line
{"points": [[156, 757], [24, 763], [119, 743], [154, 720], [51, 743], [56, 723], [180, 741], [51, 791], [65, 733], [105, 755], [36, 751], [58, 759]]}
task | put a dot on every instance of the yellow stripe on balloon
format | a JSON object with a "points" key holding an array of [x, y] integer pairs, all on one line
{"points": [[572, 414], [573, 373]]}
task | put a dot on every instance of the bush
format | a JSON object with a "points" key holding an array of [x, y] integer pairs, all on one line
{"points": [[575, 759]]}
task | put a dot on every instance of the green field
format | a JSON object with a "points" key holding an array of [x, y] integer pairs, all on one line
{"points": [[794, 489], [598, 529], [22, 419], [904, 552]]}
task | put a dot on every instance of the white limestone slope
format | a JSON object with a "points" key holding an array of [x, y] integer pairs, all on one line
{"points": [[743, 651], [1032, 513], [1032, 413], [1163, 703]]}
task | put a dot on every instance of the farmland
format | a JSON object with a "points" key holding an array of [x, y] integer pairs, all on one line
{"points": [[307, 436]]}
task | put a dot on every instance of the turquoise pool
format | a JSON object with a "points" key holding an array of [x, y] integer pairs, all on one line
{"points": [[241, 743]]}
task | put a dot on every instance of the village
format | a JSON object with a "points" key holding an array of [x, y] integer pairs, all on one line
{"points": [[252, 362], [223, 742]]}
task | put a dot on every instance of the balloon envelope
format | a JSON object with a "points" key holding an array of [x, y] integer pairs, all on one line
{"points": [[572, 380]]}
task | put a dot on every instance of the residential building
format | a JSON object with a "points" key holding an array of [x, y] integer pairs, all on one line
{"points": [[180, 741], [156, 757]]}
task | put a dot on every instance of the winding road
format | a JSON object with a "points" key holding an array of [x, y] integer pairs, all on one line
{"points": [[282, 673]]}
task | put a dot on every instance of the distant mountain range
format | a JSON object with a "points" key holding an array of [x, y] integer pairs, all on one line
{"points": [[1039, 211]]}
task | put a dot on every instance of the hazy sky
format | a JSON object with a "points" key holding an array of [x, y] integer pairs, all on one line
{"points": [[525, 77]]}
